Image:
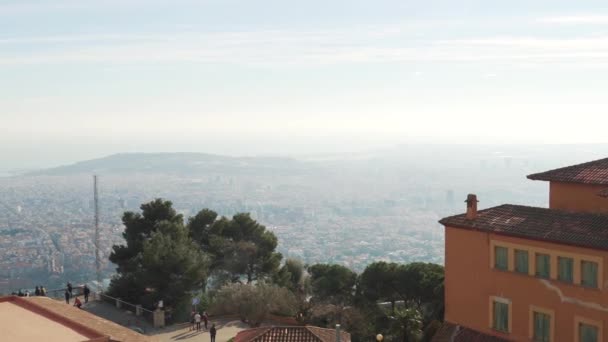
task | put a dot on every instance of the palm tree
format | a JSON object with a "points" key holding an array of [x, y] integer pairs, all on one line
{"points": [[407, 323]]}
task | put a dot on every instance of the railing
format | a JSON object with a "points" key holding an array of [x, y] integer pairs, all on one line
{"points": [[60, 293], [137, 310]]}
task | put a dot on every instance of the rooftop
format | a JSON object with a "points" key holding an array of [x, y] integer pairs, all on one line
{"points": [[291, 334], [578, 229], [455, 333], [593, 172], [21, 321], [56, 321]]}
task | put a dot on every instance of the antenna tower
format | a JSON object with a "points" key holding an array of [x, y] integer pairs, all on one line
{"points": [[97, 256]]}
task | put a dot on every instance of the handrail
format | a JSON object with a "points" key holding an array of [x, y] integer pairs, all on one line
{"points": [[122, 301]]}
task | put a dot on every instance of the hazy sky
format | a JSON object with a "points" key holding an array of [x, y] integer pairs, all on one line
{"points": [[116, 75]]}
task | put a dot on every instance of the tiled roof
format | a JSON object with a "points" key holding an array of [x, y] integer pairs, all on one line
{"points": [[593, 172], [290, 334], [455, 333], [71, 313], [578, 229]]}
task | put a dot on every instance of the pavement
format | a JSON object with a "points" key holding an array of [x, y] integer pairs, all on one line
{"points": [[123, 317], [226, 329]]}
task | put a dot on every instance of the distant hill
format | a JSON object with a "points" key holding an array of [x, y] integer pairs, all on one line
{"points": [[175, 163]]}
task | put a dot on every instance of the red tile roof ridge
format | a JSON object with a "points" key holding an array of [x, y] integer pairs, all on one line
{"points": [[53, 316], [589, 230], [319, 333], [115, 331], [250, 334], [592, 172]]}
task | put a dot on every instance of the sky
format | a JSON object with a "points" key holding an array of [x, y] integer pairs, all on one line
{"points": [[82, 78]]}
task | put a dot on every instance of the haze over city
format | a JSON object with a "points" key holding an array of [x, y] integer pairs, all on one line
{"points": [[341, 161], [84, 79]]}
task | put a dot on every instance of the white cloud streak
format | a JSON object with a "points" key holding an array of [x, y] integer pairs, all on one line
{"points": [[576, 19], [303, 48]]}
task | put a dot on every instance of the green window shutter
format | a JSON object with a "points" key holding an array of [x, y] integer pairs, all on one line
{"points": [[501, 316], [542, 327], [565, 269], [543, 265], [587, 333], [501, 258], [589, 273], [521, 261]]}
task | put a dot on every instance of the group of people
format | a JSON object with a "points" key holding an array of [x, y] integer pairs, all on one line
{"points": [[39, 291], [195, 323], [69, 293]]}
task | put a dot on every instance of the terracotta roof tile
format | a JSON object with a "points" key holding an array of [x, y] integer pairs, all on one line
{"points": [[115, 331], [290, 334], [450, 332], [578, 229], [593, 172]]}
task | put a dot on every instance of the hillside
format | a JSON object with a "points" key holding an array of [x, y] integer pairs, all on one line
{"points": [[174, 163]]}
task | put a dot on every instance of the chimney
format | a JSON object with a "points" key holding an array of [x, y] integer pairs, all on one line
{"points": [[471, 206], [338, 336]]}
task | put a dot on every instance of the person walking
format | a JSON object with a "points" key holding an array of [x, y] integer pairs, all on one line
{"points": [[205, 319], [67, 296], [197, 319], [37, 291], [69, 286], [86, 292], [192, 322], [42, 291], [212, 332]]}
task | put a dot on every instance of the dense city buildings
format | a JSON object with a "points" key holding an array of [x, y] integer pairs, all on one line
{"points": [[520, 273], [323, 209]]}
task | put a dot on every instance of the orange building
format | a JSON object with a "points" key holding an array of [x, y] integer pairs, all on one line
{"points": [[518, 273]]}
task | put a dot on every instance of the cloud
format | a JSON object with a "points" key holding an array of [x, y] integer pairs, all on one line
{"points": [[576, 19], [303, 48]]}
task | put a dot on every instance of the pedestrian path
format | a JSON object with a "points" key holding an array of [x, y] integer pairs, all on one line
{"points": [[119, 316], [226, 329]]}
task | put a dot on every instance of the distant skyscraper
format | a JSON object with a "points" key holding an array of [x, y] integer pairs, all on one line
{"points": [[449, 196]]}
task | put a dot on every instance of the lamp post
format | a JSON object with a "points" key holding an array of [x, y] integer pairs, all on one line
{"points": [[379, 337]]}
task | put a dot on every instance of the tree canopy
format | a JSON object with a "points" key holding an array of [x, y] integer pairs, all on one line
{"points": [[159, 260], [241, 249], [332, 283], [163, 258], [253, 303]]}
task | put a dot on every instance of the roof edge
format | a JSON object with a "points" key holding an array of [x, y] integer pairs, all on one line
{"points": [[526, 237], [78, 327]]}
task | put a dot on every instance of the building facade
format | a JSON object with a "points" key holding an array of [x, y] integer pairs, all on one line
{"points": [[521, 273]]}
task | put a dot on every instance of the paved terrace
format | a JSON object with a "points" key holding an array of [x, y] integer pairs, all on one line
{"points": [[227, 327]]}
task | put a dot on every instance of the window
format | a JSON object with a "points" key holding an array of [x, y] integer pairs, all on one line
{"points": [[543, 265], [501, 258], [589, 273], [542, 327], [521, 261], [587, 333], [565, 269], [501, 316]]}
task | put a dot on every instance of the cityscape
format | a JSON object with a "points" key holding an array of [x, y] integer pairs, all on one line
{"points": [[321, 209]]}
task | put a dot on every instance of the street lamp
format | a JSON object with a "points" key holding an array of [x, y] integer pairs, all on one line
{"points": [[379, 337]]}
